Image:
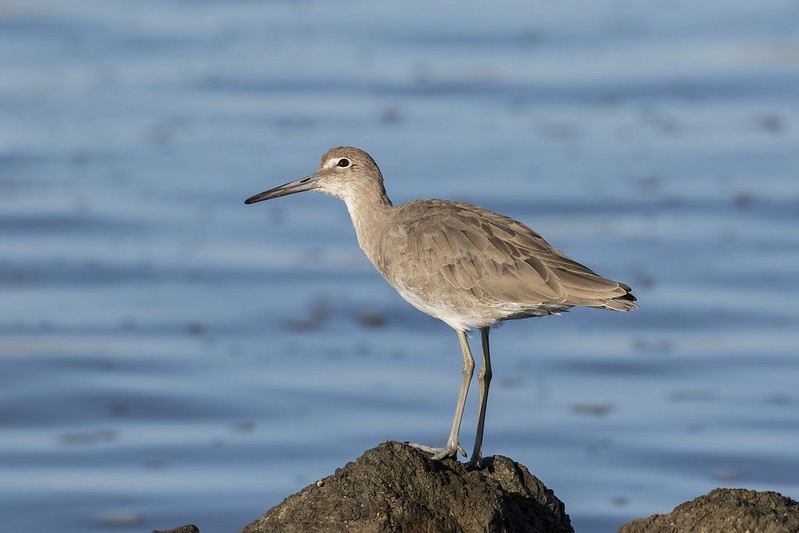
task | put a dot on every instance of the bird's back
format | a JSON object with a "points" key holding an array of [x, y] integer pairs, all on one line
{"points": [[471, 267]]}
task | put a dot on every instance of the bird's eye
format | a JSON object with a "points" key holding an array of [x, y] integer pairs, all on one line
{"points": [[344, 162]]}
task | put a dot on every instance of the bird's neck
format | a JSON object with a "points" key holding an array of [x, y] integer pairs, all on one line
{"points": [[369, 211]]}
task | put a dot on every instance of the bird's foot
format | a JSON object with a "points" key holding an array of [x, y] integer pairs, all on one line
{"points": [[450, 450], [475, 463]]}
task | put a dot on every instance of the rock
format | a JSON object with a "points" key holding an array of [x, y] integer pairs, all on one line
{"points": [[395, 487], [188, 528], [727, 510]]}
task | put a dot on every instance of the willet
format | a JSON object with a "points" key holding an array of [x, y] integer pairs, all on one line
{"points": [[460, 263]]}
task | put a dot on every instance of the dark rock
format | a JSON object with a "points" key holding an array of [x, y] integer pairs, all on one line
{"points": [[727, 510], [189, 528], [395, 487]]}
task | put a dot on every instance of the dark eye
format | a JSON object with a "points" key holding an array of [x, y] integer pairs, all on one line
{"points": [[344, 162]]}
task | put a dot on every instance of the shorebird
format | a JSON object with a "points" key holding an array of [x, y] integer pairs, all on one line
{"points": [[460, 263]]}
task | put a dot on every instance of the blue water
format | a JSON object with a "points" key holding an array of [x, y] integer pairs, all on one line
{"points": [[169, 355]]}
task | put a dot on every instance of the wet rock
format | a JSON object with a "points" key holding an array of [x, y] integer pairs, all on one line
{"points": [[728, 510], [189, 528], [394, 487]]}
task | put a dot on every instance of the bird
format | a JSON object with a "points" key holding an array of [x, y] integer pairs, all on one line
{"points": [[462, 264]]}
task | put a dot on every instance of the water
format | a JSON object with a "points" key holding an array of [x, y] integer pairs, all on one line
{"points": [[168, 355]]}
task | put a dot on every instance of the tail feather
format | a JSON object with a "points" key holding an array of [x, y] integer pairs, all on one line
{"points": [[625, 302]]}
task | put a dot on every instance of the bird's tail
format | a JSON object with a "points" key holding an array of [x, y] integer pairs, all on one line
{"points": [[625, 302]]}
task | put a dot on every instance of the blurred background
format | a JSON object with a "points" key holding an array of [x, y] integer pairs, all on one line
{"points": [[169, 355]]}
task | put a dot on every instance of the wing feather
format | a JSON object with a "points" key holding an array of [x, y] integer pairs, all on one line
{"points": [[447, 248]]}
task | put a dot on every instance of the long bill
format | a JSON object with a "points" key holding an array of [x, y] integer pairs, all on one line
{"points": [[304, 184]]}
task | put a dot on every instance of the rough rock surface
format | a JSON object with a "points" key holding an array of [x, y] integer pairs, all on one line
{"points": [[396, 488], [188, 528], [727, 510]]}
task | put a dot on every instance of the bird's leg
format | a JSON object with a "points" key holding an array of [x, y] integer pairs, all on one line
{"points": [[484, 379], [453, 445]]}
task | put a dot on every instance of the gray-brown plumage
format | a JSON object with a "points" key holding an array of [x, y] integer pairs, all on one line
{"points": [[465, 265]]}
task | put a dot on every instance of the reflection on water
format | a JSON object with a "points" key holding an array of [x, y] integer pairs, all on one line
{"points": [[168, 355]]}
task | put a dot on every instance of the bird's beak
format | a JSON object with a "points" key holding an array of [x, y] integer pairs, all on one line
{"points": [[304, 184]]}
